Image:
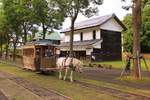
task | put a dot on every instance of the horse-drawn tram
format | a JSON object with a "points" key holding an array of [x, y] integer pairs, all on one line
{"points": [[39, 56]]}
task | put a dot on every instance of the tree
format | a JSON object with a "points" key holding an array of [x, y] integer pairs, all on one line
{"points": [[4, 33], [26, 18], [136, 20], [23, 17], [136, 10], [72, 8], [47, 14], [13, 22]]}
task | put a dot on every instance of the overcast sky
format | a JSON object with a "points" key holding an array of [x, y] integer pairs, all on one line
{"points": [[108, 7]]}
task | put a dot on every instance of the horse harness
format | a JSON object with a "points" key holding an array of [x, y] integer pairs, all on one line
{"points": [[70, 65]]}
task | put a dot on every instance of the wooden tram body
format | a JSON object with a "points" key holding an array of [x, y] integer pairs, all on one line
{"points": [[38, 56]]}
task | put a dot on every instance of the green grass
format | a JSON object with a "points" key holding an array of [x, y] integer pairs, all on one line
{"points": [[10, 61], [50, 82], [121, 64]]}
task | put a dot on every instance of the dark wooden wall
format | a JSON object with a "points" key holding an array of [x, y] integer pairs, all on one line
{"points": [[111, 46]]}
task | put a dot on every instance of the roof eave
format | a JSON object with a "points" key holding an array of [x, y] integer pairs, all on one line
{"points": [[117, 19], [81, 28]]}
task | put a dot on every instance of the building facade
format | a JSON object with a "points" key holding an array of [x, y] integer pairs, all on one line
{"points": [[98, 39]]}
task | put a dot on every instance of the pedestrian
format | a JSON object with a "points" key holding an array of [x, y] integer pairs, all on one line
{"points": [[128, 63]]}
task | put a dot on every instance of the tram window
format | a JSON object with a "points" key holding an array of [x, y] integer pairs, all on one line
{"points": [[48, 53]]}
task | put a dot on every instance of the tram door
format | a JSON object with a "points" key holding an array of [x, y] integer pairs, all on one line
{"points": [[38, 59]]}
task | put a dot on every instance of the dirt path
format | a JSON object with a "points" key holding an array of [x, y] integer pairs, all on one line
{"points": [[111, 75], [15, 87]]}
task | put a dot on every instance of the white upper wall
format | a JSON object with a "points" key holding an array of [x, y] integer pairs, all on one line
{"points": [[112, 25], [87, 34], [67, 38]]}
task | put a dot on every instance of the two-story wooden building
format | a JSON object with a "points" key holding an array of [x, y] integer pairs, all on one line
{"points": [[96, 38]]}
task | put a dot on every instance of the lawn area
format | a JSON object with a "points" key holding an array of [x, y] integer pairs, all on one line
{"points": [[51, 82], [121, 64]]}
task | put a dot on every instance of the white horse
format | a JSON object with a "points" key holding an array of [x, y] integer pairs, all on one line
{"points": [[68, 63]]}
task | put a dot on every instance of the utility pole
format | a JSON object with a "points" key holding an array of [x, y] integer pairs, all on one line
{"points": [[136, 15]]}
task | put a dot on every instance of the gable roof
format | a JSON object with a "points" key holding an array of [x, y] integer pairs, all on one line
{"points": [[97, 21], [50, 36], [53, 36]]}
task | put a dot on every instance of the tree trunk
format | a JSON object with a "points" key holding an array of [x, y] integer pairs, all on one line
{"points": [[24, 33], [1, 46], [14, 51], [44, 31], [25, 37], [136, 10], [6, 55], [71, 37], [7, 47]]}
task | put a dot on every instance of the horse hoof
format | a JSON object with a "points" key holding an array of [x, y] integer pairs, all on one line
{"points": [[71, 80], [60, 78]]}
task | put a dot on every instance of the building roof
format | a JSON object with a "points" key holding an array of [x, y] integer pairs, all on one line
{"points": [[80, 43], [97, 21], [51, 36], [44, 42]]}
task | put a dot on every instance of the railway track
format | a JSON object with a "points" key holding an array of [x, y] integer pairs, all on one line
{"points": [[2, 96], [43, 93]]}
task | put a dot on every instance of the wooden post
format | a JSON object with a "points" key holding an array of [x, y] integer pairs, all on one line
{"points": [[145, 64], [139, 64]]}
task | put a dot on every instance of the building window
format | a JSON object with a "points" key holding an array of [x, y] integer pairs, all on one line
{"points": [[94, 34], [81, 36]]}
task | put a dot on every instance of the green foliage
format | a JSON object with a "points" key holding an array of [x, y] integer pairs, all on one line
{"points": [[24, 16], [145, 30], [145, 35], [21, 17], [49, 16], [11, 10], [4, 31], [127, 35], [13, 18]]}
